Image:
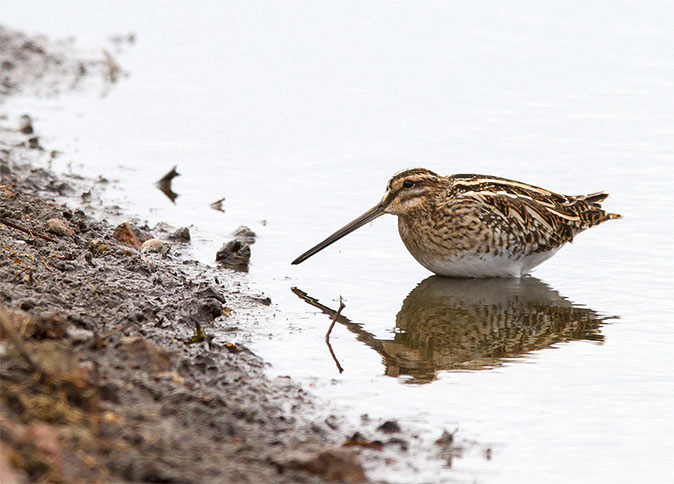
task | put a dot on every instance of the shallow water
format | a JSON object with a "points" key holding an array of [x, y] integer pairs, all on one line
{"points": [[299, 114]]}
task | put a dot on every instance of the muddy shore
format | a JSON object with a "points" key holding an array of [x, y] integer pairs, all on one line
{"points": [[109, 370]]}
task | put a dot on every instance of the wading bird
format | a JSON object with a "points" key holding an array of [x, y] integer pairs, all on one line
{"points": [[476, 225]]}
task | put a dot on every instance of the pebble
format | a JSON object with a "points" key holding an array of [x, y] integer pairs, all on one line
{"points": [[389, 427], [124, 233], [180, 235], [155, 245], [98, 247], [79, 335], [59, 227], [245, 234], [234, 252]]}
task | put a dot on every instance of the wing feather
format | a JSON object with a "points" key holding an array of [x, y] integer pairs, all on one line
{"points": [[535, 215]]}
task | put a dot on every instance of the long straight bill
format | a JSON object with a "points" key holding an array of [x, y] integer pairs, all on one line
{"points": [[368, 216]]}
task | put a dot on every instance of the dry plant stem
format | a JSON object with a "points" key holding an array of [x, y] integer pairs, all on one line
{"points": [[334, 319], [9, 330], [26, 230]]}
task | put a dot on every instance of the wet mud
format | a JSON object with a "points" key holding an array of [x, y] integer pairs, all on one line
{"points": [[122, 375]]}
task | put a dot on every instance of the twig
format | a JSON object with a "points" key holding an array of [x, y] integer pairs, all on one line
{"points": [[357, 328], [334, 319], [26, 230]]}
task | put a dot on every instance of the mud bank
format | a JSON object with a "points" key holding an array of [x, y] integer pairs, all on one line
{"points": [[108, 359], [108, 368], [115, 361]]}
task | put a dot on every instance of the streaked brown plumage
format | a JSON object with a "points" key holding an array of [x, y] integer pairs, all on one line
{"points": [[477, 225], [457, 324]]}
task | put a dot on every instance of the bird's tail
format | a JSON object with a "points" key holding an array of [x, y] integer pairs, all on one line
{"points": [[593, 213]]}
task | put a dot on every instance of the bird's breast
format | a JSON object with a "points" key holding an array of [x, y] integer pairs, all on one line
{"points": [[467, 249]]}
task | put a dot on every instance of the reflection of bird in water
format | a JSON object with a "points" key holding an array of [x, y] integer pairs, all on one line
{"points": [[478, 226], [475, 324]]}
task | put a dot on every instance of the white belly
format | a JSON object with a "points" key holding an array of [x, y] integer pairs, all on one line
{"points": [[485, 265]]}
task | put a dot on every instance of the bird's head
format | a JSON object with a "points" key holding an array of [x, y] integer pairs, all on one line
{"points": [[407, 191]]}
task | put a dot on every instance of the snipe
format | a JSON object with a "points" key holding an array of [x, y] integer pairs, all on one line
{"points": [[476, 225]]}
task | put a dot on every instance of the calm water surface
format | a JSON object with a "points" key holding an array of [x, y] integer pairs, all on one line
{"points": [[298, 114]]}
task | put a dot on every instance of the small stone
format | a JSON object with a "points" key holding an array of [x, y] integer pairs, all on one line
{"points": [[446, 440], [155, 246], [333, 464], [46, 326], [59, 227], [233, 348], [264, 300], [142, 353], [213, 293], [331, 421], [389, 427], [98, 247], [234, 252], [34, 143], [26, 125], [180, 235], [402, 443], [209, 308], [244, 234], [79, 335], [124, 233]]}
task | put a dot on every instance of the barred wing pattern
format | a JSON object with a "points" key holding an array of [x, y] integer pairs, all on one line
{"points": [[540, 219]]}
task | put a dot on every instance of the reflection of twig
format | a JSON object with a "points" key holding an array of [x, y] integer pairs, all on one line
{"points": [[332, 353], [356, 328], [327, 335], [26, 230], [334, 319]]}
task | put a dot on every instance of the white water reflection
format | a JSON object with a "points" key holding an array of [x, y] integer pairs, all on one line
{"points": [[298, 113]]}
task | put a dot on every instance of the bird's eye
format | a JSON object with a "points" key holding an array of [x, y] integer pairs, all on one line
{"points": [[408, 184]]}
